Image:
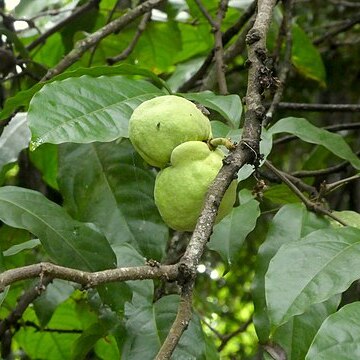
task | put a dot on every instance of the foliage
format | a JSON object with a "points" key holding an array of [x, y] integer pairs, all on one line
{"points": [[277, 277]]}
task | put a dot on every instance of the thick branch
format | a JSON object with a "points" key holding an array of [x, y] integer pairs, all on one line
{"points": [[245, 152], [247, 149], [84, 278], [83, 45], [180, 324]]}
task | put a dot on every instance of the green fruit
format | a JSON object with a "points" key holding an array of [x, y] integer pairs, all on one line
{"points": [[351, 218], [180, 189], [158, 125]]}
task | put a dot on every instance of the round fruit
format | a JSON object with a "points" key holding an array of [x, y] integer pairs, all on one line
{"points": [[158, 125], [352, 218], [180, 189]]}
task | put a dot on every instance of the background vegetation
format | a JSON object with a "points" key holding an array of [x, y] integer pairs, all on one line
{"points": [[278, 278]]}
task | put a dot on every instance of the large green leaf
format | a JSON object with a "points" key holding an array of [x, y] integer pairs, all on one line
{"points": [[306, 57], [297, 334], [148, 326], [339, 336], [158, 46], [314, 135], [228, 106], [45, 158], [55, 345], [113, 189], [310, 271], [230, 233], [14, 138], [290, 224], [68, 242], [22, 98], [56, 293], [86, 109]]}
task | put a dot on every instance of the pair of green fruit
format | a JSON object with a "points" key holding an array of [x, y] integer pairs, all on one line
{"points": [[171, 133]]}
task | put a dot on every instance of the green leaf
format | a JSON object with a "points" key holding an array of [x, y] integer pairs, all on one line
{"points": [[183, 72], [113, 188], [45, 159], [67, 242], [228, 106], [45, 305], [297, 334], [289, 224], [310, 271], [339, 336], [22, 98], [335, 143], [280, 194], [15, 249], [148, 326], [88, 338], [306, 57], [230, 233], [107, 348], [86, 109], [14, 138], [158, 46], [51, 345]]}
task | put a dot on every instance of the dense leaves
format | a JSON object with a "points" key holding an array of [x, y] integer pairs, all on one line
{"points": [[278, 279]]}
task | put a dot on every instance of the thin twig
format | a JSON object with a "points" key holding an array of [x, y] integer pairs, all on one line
{"points": [[218, 46], [347, 25], [83, 45], [286, 62], [335, 185], [226, 338], [219, 49], [24, 301], [322, 172], [129, 49], [84, 278], [76, 14], [226, 37], [310, 205], [319, 107], [109, 18]]}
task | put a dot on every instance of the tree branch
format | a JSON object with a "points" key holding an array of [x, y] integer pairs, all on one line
{"points": [[326, 171], [126, 52], [319, 107], [77, 13], [12, 319], [226, 37], [84, 278], [83, 45], [245, 152], [286, 63], [310, 205], [219, 49], [347, 25], [180, 324]]}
